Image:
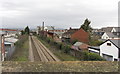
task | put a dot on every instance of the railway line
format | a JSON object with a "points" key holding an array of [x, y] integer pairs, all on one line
{"points": [[40, 52]]}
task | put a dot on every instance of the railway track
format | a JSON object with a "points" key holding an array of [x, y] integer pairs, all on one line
{"points": [[40, 52]]}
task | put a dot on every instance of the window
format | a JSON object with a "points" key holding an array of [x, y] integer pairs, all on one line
{"points": [[7, 44], [117, 34], [108, 44], [115, 59]]}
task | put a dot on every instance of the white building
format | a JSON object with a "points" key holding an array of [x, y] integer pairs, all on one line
{"points": [[116, 29], [110, 50]]}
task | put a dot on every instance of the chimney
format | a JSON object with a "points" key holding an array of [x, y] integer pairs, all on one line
{"points": [[43, 26]]}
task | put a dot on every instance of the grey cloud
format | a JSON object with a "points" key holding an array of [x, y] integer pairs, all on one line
{"points": [[58, 13]]}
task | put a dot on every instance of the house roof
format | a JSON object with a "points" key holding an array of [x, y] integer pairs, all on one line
{"points": [[13, 40], [78, 44], [81, 45], [111, 35], [70, 31], [116, 42], [84, 46], [117, 29], [107, 29], [8, 29], [49, 27], [95, 47]]}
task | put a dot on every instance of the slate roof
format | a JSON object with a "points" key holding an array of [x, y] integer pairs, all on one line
{"points": [[78, 44], [81, 45], [71, 31], [112, 35], [107, 29], [95, 47], [116, 42], [49, 27], [117, 29]]}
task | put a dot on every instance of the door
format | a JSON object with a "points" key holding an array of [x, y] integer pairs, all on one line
{"points": [[108, 57]]}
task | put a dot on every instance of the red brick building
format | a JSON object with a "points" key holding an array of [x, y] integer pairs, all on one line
{"points": [[81, 36]]}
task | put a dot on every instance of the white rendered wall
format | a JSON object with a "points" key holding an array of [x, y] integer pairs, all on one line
{"points": [[105, 36], [109, 50], [113, 30]]}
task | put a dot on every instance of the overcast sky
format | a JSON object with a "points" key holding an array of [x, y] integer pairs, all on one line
{"points": [[58, 13]]}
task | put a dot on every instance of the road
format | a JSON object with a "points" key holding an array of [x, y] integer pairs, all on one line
{"points": [[38, 52]]}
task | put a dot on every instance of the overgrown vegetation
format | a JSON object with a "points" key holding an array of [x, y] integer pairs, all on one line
{"points": [[21, 52], [66, 49], [95, 42], [91, 56], [59, 49], [69, 41]]}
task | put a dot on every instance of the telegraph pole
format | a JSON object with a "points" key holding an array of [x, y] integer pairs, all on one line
{"points": [[43, 25], [43, 28]]}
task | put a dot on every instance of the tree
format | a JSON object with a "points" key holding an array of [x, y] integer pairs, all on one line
{"points": [[27, 30], [86, 26], [22, 32]]}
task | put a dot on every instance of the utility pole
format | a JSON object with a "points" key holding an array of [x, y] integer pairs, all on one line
{"points": [[43, 28]]}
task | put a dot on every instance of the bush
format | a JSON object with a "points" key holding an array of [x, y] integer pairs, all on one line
{"points": [[51, 42], [94, 57], [48, 40], [85, 56], [67, 49], [95, 43], [91, 57], [74, 41], [59, 45]]}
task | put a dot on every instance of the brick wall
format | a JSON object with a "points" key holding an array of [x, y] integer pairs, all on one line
{"points": [[80, 35]]}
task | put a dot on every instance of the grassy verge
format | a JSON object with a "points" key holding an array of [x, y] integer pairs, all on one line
{"points": [[22, 49], [60, 54]]}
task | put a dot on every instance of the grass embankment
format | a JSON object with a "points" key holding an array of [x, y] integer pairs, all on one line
{"points": [[22, 49], [59, 53]]}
